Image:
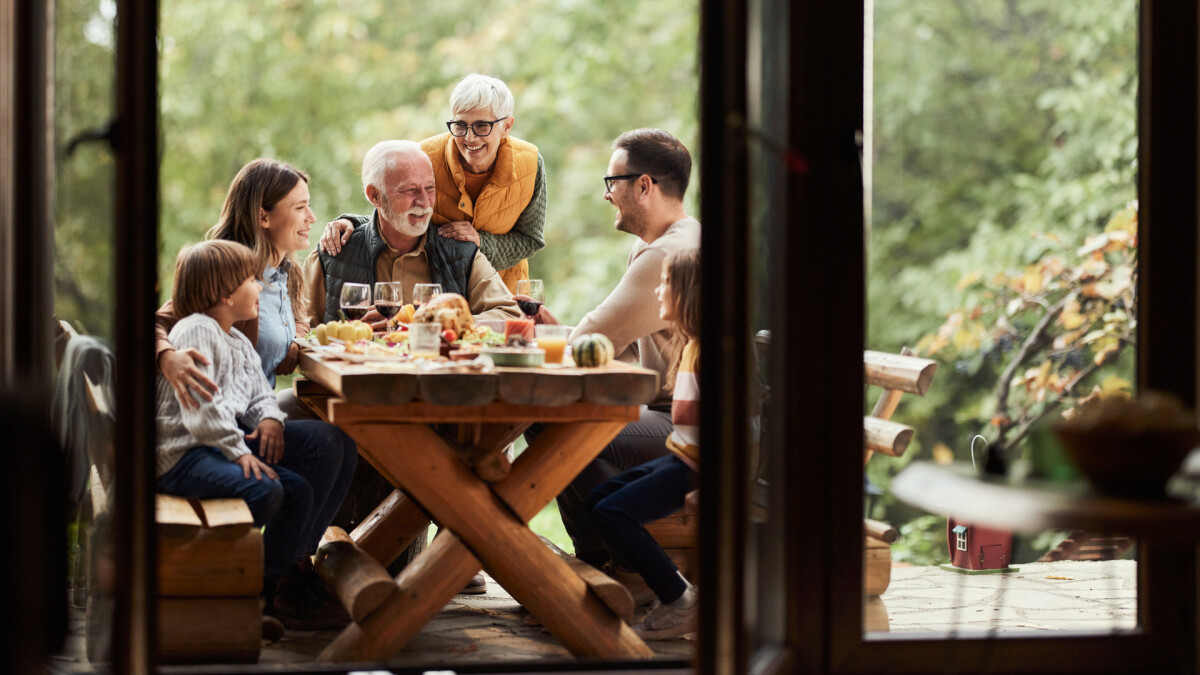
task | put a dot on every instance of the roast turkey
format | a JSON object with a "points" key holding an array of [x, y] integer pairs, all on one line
{"points": [[448, 309]]}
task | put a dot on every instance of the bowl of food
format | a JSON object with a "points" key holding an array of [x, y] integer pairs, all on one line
{"points": [[516, 357], [1129, 447]]}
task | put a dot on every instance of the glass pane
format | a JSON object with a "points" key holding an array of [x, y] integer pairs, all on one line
{"points": [[84, 275], [318, 84], [768, 116], [1003, 247]]}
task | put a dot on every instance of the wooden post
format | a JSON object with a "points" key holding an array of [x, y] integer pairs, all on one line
{"points": [[390, 528], [358, 581]]}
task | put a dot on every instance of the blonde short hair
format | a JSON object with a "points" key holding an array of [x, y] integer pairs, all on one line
{"points": [[477, 92], [209, 271]]}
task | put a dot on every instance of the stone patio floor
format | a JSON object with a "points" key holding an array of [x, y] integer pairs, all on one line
{"points": [[493, 628]]}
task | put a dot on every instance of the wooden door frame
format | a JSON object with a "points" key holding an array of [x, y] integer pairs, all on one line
{"points": [[822, 246]]}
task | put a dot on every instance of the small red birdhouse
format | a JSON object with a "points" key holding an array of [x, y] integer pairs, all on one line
{"points": [[978, 550]]}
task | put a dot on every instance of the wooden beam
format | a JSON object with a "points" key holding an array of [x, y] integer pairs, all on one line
{"points": [[885, 436], [358, 581], [895, 371]]}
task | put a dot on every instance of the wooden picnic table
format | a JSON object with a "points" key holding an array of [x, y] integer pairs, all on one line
{"points": [[465, 482]]}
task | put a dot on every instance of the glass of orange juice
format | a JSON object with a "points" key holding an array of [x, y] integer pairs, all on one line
{"points": [[553, 339]]}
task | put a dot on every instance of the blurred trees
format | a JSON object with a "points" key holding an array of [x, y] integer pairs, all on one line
{"points": [[317, 82], [1004, 137]]}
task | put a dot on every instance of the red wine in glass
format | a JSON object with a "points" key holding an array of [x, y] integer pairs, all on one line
{"points": [[355, 312], [529, 307], [387, 309]]}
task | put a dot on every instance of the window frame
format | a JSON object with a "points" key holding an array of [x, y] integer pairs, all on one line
{"points": [[824, 492]]}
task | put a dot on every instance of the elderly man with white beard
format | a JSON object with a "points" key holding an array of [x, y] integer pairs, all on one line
{"points": [[394, 244]]}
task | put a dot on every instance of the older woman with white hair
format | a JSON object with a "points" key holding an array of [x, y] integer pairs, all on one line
{"points": [[491, 186]]}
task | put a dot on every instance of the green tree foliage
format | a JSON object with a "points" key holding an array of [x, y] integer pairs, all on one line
{"points": [[317, 83], [1004, 136]]}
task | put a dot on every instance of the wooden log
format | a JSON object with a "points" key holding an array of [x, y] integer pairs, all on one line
{"points": [[619, 384], [458, 389], [877, 566], [345, 413], [421, 591], [209, 630], [358, 581], [610, 591], [172, 510], [885, 436], [875, 616], [358, 383], [485, 456], [547, 387], [880, 531], [390, 528], [224, 514], [677, 530], [508, 549], [209, 562], [911, 374]]}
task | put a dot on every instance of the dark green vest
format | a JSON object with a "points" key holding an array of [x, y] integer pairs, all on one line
{"points": [[450, 262]]}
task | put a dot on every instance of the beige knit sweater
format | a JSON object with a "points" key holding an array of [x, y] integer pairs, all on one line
{"points": [[242, 396], [629, 315]]}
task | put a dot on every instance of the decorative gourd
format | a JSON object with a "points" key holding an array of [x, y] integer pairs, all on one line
{"points": [[592, 350]]}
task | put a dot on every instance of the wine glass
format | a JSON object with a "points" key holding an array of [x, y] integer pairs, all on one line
{"points": [[389, 295], [423, 293], [356, 300], [530, 296]]}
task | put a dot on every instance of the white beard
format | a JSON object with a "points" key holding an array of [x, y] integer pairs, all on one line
{"points": [[399, 222]]}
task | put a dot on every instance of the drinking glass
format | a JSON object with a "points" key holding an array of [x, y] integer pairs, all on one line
{"points": [[530, 295], [553, 339], [423, 293], [356, 300], [425, 340], [389, 296]]}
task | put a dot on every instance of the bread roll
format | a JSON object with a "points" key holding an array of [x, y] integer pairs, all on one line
{"points": [[448, 309]]}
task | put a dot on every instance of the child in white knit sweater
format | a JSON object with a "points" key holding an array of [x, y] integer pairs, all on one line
{"points": [[293, 485]]}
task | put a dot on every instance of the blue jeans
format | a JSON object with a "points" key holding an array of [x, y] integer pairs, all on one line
{"points": [[622, 506], [638, 443], [314, 474]]}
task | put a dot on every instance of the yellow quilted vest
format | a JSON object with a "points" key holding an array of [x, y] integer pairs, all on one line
{"points": [[500, 202]]}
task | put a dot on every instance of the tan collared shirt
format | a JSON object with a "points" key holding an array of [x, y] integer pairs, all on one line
{"points": [[487, 295]]}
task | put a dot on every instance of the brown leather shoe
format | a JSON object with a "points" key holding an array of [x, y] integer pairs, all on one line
{"points": [[476, 586]]}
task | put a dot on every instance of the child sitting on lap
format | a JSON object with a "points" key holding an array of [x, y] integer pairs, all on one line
{"points": [[292, 486]]}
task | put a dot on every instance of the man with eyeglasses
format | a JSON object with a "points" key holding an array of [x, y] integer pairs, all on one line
{"points": [[491, 186], [647, 177]]}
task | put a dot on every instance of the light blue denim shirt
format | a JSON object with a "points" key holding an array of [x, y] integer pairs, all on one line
{"points": [[276, 324]]}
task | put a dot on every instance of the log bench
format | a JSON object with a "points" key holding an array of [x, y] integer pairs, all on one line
{"points": [[897, 374], [209, 560]]}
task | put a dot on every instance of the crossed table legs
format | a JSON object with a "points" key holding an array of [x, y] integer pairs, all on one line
{"points": [[487, 524]]}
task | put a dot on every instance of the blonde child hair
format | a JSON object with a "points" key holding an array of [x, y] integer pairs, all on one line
{"points": [[209, 271]]}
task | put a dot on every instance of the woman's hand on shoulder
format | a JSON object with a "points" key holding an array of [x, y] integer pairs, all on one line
{"points": [[460, 230], [336, 234], [185, 377]]}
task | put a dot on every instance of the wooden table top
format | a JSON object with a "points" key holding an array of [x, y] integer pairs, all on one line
{"points": [[615, 384], [1033, 506]]}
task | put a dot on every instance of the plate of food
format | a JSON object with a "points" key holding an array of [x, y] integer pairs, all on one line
{"points": [[516, 357]]}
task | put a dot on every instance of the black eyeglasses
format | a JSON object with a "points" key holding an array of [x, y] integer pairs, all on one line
{"points": [[608, 180], [459, 128]]}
